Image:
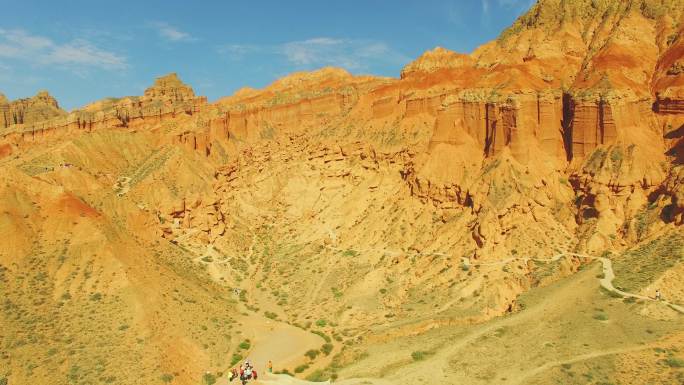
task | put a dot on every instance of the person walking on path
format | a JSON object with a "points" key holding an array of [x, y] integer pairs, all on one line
{"points": [[657, 296]]}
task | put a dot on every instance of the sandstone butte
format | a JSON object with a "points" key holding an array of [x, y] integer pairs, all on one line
{"points": [[570, 124]]}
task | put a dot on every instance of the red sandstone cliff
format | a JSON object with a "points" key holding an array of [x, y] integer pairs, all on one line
{"points": [[588, 90]]}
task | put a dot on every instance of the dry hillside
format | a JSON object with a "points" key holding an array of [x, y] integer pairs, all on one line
{"points": [[450, 222]]}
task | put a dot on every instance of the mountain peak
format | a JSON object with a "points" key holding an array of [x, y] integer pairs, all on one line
{"points": [[435, 59], [169, 86]]}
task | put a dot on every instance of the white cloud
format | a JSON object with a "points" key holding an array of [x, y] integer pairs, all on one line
{"points": [[83, 52], [352, 54], [171, 33], [485, 7], [76, 55]]}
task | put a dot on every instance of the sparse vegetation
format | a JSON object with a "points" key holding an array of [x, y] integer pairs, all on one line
{"points": [[327, 348], [359, 229], [270, 315], [312, 354], [601, 316], [419, 355], [323, 335], [235, 359], [318, 376], [674, 362], [209, 379], [638, 267]]}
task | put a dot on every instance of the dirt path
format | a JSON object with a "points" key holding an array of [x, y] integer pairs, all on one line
{"points": [[588, 356], [609, 276], [606, 281], [281, 343], [285, 344]]}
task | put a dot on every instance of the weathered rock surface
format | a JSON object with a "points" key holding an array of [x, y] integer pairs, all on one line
{"points": [[28, 111], [422, 199]]}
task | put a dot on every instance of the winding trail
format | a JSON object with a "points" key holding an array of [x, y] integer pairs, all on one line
{"points": [[279, 341], [583, 357], [606, 281]]}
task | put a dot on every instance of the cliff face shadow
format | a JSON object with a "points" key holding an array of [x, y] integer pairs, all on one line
{"points": [[566, 125], [674, 134], [677, 150]]}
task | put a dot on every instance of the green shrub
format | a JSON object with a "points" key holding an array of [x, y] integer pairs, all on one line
{"points": [[323, 335], [3, 381], [601, 316], [166, 377], [317, 376], [244, 345], [284, 371], [312, 354], [209, 379], [674, 362], [301, 368], [236, 358], [327, 349], [321, 323], [418, 355], [270, 315]]}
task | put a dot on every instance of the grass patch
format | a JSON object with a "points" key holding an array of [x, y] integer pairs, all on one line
{"points": [[235, 359], [327, 349], [420, 355], [323, 335], [674, 362], [610, 293], [270, 315], [601, 316], [638, 267], [312, 354], [209, 379], [284, 371], [318, 376]]}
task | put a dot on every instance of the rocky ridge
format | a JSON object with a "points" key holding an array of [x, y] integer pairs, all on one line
{"points": [[564, 134]]}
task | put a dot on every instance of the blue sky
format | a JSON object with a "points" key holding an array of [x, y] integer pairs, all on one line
{"points": [[82, 51]]}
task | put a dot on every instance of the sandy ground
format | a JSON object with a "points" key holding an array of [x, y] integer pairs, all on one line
{"points": [[281, 343]]}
